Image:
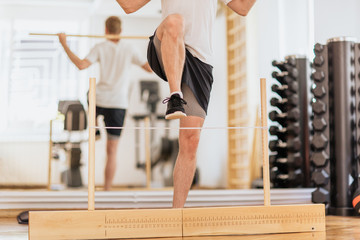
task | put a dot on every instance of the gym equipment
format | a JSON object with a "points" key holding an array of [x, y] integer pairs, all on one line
{"points": [[149, 94], [291, 100], [291, 161], [318, 76], [287, 180], [320, 159], [318, 106], [293, 129], [23, 217], [335, 130], [168, 148], [147, 223], [285, 90], [355, 186], [285, 104], [319, 124], [284, 66], [320, 195], [318, 91], [318, 61], [320, 177], [291, 145], [75, 121], [285, 77], [292, 115], [319, 141], [356, 201], [109, 36], [341, 65]]}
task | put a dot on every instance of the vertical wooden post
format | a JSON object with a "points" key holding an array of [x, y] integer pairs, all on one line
{"points": [[50, 157], [91, 164], [264, 131], [147, 152]]}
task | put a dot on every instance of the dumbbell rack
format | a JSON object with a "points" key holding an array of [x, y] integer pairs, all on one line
{"points": [[335, 141], [290, 165]]}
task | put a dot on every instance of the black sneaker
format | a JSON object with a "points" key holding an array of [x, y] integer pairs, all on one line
{"points": [[175, 107], [97, 134]]}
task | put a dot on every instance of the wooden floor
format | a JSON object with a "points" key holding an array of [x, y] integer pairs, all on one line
{"points": [[337, 228]]}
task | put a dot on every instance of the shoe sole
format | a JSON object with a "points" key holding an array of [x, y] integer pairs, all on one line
{"points": [[175, 115]]}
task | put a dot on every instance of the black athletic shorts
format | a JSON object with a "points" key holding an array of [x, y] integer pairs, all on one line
{"points": [[196, 74], [113, 117]]}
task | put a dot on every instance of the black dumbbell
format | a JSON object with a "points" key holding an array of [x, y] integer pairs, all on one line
{"points": [[285, 90], [286, 77], [282, 118], [320, 177], [356, 201], [318, 48], [282, 77], [318, 61], [320, 195], [318, 90], [318, 106], [292, 145], [283, 133], [285, 104], [290, 179], [319, 124], [292, 160], [318, 76], [285, 65], [319, 141], [319, 159], [291, 61]]}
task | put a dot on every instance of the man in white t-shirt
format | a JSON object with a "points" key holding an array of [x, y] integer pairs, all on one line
{"points": [[115, 58], [181, 52]]}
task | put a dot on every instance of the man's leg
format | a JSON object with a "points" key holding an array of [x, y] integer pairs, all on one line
{"points": [[171, 34], [186, 161], [110, 168]]}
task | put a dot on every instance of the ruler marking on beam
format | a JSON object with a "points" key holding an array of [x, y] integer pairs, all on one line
{"points": [[252, 219]]}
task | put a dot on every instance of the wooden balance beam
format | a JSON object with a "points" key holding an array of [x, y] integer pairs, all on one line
{"points": [[150, 223]]}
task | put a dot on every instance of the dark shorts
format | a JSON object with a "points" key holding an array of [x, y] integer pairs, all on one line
{"points": [[113, 117], [197, 75]]}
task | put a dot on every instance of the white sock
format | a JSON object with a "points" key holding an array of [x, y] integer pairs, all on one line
{"points": [[178, 92]]}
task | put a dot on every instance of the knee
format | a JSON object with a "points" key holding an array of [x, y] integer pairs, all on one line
{"points": [[189, 144], [111, 150], [174, 25]]}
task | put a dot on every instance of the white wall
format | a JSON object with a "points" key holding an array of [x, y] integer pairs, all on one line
{"points": [[336, 19], [212, 154]]}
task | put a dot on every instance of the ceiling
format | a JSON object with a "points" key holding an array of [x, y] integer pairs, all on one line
{"points": [[93, 6]]}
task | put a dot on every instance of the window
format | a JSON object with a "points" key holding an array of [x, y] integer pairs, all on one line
{"points": [[35, 75]]}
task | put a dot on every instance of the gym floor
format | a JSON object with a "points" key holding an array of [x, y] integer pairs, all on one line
{"points": [[337, 228]]}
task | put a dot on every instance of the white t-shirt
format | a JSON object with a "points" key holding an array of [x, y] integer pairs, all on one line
{"points": [[115, 60], [199, 17]]}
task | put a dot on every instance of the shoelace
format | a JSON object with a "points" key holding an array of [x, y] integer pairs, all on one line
{"points": [[166, 100]]}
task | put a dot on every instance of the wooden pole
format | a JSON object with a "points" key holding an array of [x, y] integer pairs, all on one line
{"points": [[266, 175], [91, 165], [50, 157], [109, 36], [147, 152]]}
